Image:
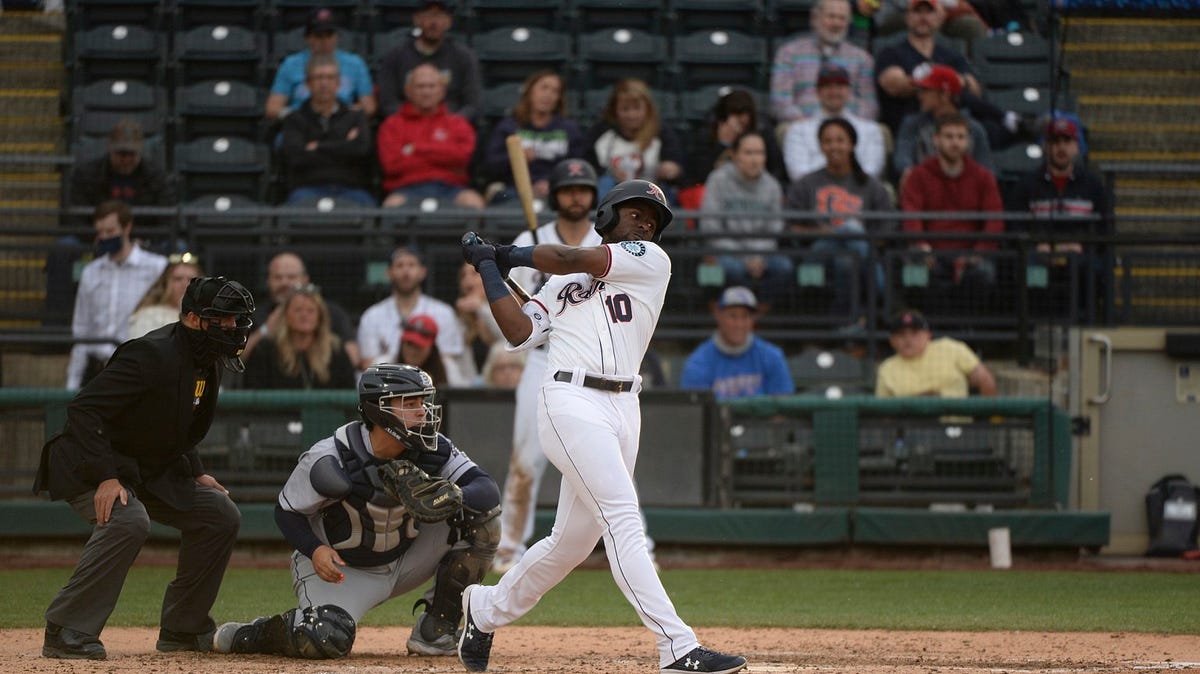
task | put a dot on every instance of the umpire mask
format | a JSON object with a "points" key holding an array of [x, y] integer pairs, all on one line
{"points": [[215, 299]]}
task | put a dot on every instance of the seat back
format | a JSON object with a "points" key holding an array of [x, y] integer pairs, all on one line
{"points": [[510, 54], [613, 54], [720, 57]]}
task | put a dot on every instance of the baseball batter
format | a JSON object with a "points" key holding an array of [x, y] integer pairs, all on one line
{"points": [[597, 316], [572, 196], [356, 545]]}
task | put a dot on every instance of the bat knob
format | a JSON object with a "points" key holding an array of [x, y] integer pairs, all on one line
{"points": [[471, 239]]}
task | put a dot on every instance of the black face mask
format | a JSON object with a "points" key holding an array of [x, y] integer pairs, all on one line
{"points": [[202, 351], [219, 343]]}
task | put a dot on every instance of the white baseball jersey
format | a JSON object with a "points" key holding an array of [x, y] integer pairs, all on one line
{"points": [[602, 324]]}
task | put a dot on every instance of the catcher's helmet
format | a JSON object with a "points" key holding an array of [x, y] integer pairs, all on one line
{"points": [[213, 298], [630, 190], [381, 383], [571, 172]]}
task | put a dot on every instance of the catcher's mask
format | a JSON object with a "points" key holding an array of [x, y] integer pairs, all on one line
{"points": [[631, 190], [382, 384], [214, 298]]}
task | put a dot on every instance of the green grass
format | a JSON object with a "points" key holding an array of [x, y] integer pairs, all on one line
{"points": [[852, 599]]}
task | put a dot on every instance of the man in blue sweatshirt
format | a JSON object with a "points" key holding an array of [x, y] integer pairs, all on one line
{"points": [[734, 363]]}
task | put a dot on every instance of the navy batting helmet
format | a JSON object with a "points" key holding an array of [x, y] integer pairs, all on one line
{"points": [[571, 172], [380, 383], [631, 190]]}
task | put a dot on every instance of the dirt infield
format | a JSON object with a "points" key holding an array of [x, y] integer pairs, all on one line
{"points": [[380, 650]]}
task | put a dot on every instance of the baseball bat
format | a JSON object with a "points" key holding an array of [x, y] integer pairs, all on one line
{"points": [[473, 239], [521, 180]]}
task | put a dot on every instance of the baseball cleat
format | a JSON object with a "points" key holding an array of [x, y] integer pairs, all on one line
{"points": [[441, 644], [474, 645], [68, 644], [700, 659]]}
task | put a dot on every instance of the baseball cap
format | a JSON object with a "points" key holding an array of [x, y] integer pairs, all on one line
{"points": [[913, 4], [832, 74], [1062, 126], [939, 78], [421, 330], [737, 296], [320, 20], [126, 136], [445, 5], [909, 319]]}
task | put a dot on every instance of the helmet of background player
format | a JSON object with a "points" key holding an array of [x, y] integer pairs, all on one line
{"points": [[381, 384], [631, 190], [571, 172], [213, 298]]}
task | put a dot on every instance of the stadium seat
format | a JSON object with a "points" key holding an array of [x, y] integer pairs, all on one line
{"points": [[824, 367], [720, 57], [1011, 48], [596, 15], [222, 218], [288, 42], [248, 14], [98, 123], [87, 148], [118, 51], [98, 106], [219, 52], [1002, 75], [383, 42], [87, 14], [498, 102], [697, 104], [1017, 160], [1030, 100], [289, 14], [217, 108], [222, 165], [511, 54], [389, 15], [688, 16], [612, 54], [486, 15], [789, 17]]}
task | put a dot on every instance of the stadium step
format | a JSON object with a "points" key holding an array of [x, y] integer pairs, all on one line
{"points": [[32, 23], [30, 48], [38, 102], [1110, 81], [33, 75], [1148, 137], [1128, 30]]}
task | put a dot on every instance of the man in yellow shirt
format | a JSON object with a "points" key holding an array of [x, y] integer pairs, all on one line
{"points": [[923, 366]]}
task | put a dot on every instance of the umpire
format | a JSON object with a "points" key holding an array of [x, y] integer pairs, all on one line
{"points": [[127, 455]]}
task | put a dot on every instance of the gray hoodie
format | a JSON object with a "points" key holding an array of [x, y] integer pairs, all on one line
{"points": [[760, 199]]}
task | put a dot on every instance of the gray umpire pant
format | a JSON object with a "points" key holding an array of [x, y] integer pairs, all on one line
{"points": [[207, 535]]}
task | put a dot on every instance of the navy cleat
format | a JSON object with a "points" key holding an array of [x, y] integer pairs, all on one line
{"points": [[700, 659], [474, 645]]}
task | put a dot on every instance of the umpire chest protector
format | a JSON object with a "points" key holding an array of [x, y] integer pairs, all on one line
{"points": [[366, 526]]}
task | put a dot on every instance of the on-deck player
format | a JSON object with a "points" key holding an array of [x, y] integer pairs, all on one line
{"points": [[597, 316], [572, 196], [355, 546]]}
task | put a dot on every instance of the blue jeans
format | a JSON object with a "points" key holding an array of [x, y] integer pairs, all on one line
{"points": [[433, 189], [310, 193], [843, 270], [773, 285]]}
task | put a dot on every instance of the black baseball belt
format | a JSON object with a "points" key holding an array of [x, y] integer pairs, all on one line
{"points": [[599, 383]]}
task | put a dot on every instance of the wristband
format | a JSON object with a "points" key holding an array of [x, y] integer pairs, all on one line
{"points": [[493, 285]]}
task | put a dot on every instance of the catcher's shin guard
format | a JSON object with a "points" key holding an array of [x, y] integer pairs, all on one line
{"points": [[463, 565]]}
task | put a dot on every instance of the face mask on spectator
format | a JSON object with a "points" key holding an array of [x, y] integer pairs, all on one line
{"points": [[108, 246]]}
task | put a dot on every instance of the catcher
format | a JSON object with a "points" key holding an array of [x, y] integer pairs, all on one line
{"points": [[373, 512]]}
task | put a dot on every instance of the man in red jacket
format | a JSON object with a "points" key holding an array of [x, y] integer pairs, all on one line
{"points": [[424, 149], [951, 180]]}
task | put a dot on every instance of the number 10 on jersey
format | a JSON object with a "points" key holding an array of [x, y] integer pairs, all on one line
{"points": [[620, 309]]}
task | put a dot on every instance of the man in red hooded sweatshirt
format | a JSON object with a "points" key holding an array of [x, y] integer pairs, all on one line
{"points": [[951, 180], [424, 150]]}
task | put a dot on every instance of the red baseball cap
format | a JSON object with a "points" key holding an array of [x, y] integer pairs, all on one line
{"points": [[421, 330], [1062, 126], [938, 78], [913, 4]]}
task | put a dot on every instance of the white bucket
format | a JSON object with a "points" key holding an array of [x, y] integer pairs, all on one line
{"points": [[1000, 547]]}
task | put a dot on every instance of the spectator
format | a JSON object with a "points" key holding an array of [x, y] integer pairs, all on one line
{"points": [[1066, 200], [895, 63], [938, 88], [547, 136], [285, 273], [952, 181], [630, 142], [480, 331], [798, 64], [124, 173], [732, 115], [380, 327], [431, 43], [843, 190], [109, 289], [923, 366], [959, 18], [326, 145], [734, 362], [801, 147], [290, 87], [503, 368], [1062, 193], [424, 149], [303, 353], [418, 347], [742, 187], [160, 305]]}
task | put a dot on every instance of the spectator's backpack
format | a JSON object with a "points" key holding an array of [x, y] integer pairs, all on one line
{"points": [[1171, 516]]}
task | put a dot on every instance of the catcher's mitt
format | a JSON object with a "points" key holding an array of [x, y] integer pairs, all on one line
{"points": [[427, 499]]}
